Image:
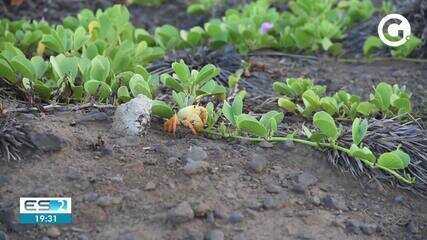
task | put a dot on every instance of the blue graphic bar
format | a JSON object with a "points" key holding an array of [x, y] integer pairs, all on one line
{"points": [[45, 218]]}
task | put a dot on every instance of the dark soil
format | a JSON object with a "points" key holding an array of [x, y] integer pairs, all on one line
{"points": [[171, 12], [126, 188]]}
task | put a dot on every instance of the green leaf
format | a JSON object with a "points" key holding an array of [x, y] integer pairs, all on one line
{"points": [[78, 92], [227, 111], [123, 94], [237, 107], [362, 153], [281, 88], [181, 70], [80, 38], [403, 105], [326, 124], [383, 94], [196, 9], [98, 89], [251, 125], [171, 82], [406, 49], [359, 129], [326, 43], [394, 160], [372, 43], [286, 104], [138, 85], [365, 108], [265, 118], [40, 66], [23, 66], [310, 99], [64, 66], [42, 90], [100, 68], [213, 88], [329, 104], [206, 73], [7, 72], [161, 109]]}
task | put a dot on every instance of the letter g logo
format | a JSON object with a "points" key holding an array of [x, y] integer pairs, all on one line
{"points": [[394, 29]]}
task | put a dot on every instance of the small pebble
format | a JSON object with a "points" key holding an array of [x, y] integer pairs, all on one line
{"points": [[53, 232], [257, 163], [150, 186], [181, 213], [215, 235], [265, 144], [196, 153], [399, 199], [235, 217], [195, 167]]}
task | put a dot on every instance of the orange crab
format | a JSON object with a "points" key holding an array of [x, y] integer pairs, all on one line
{"points": [[193, 117]]}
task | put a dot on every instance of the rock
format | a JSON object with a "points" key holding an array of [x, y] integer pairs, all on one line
{"points": [[92, 213], [210, 218], [214, 235], [352, 226], [195, 153], [298, 189], [202, 209], [9, 220], [150, 186], [90, 196], [332, 202], [181, 213], [254, 204], [265, 144], [47, 142], [399, 199], [53, 232], [3, 236], [193, 234], [272, 188], [133, 118], [220, 211], [94, 117], [306, 179], [107, 201], [240, 236], [3, 180], [368, 229], [195, 167], [269, 203], [72, 174], [172, 160], [82, 237], [412, 227], [235, 217], [257, 163]]}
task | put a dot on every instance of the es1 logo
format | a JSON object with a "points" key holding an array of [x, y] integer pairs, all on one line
{"points": [[45, 210], [400, 31]]}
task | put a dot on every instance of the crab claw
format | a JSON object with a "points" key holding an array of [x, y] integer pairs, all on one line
{"points": [[171, 124]]}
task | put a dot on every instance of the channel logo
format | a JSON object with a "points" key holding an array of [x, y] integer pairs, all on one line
{"points": [[400, 32], [45, 211]]}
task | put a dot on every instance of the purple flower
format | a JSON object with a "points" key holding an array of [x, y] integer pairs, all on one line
{"points": [[266, 27]]}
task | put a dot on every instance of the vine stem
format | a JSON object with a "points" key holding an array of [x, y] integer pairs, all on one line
{"points": [[315, 144]]}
